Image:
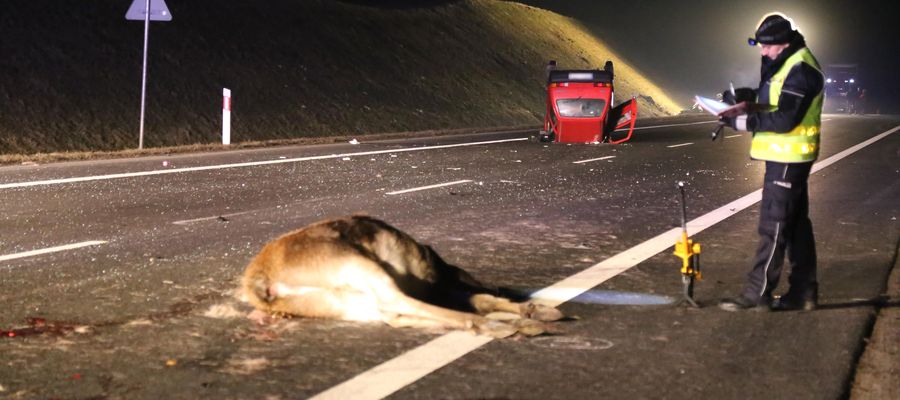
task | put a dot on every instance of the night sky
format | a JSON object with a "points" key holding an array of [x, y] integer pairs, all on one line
{"points": [[699, 46]]}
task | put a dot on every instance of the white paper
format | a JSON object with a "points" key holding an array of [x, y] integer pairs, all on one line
{"points": [[712, 106]]}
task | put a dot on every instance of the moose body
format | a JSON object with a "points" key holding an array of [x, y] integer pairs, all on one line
{"points": [[359, 268]]}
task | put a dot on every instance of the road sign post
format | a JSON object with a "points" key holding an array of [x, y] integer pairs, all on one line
{"points": [[143, 10], [226, 116]]}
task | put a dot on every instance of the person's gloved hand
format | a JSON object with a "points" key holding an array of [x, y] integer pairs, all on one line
{"points": [[735, 110], [727, 121], [740, 95], [744, 94], [728, 98], [737, 122]]}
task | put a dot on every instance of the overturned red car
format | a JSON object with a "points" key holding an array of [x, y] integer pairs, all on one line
{"points": [[579, 108]]}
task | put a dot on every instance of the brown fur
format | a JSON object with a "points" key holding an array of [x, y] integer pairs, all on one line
{"points": [[359, 268]]}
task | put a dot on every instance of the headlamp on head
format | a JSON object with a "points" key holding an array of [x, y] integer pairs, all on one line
{"points": [[774, 28]]}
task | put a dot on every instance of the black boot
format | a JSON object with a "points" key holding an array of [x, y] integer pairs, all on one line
{"points": [[806, 299], [740, 303]]}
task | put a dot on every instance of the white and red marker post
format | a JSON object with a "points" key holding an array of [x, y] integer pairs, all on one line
{"points": [[226, 116]]}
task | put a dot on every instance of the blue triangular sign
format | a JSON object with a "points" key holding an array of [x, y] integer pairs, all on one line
{"points": [[158, 10]]}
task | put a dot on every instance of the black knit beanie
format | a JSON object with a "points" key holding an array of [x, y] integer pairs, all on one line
{"points": [[774, 29]]}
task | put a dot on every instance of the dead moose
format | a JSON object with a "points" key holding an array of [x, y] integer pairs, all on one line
{"points": [[359, 268]]}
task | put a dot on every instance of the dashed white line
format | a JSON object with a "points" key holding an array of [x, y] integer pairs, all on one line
{"points": [[679, 145], [429, 187], [51, 250], [593, 159], [395, 374], [245, 164], [191, 221], [280, 161], [732, 136]]}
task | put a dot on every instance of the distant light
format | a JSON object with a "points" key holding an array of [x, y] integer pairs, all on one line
{"points": [[828, 80], [851, 81], [845, 81]]}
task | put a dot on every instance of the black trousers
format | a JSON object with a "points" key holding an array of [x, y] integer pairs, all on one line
{"points": [[784, 228]]}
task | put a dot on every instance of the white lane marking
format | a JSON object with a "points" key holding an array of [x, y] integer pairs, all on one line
{"points": [[191, 221], [429, 187], [732, 136], [250, 211], [679, 145], [826, 119], [668, 125], [411, 366], [245, 164], [51, 250], [577, 284], [593, 159], [597, 274], [853, 149], [387, 378]]}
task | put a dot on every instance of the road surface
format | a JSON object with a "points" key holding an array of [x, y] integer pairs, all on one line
{"points": [[118, 276]]}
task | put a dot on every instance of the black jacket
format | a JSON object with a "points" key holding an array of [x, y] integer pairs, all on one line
{"points": [[802, 84]]}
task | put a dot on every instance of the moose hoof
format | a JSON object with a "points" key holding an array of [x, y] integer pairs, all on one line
{"points": [[529, 327], [541, 312], [496, 329]]}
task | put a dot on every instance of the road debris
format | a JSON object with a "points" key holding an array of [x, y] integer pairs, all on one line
{"points": [[40, 326]]}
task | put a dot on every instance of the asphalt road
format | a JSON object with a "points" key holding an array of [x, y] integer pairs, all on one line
{"points": [[142, 305]]}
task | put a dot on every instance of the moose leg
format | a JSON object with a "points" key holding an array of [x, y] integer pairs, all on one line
{"points": [[335, 303], [485, 304]]}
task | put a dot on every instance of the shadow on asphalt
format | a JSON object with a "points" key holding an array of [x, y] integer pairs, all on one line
{"points": [[877, 302]]}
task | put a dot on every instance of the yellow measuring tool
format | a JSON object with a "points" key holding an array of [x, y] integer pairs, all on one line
{"points": [[689, 253]]}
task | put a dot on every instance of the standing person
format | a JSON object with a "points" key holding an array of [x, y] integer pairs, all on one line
{"points": [[551, 66], [861, 102], [786, 137]]}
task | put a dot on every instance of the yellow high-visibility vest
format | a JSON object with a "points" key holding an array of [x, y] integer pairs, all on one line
{"points": [[802, 143]]}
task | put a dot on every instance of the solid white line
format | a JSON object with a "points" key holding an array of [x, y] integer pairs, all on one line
{"points": [[668, 125], [679, 145], [837, 157], [732, 136], [51, 250], [387, 378], [429, 187], [593, 159], [245, 164], [406, 368]]}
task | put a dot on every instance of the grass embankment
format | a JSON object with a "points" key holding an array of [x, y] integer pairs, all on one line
{"points": [[297, 69]]}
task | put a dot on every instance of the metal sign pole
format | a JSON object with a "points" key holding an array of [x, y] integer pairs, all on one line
{"points": [[161, 13], [144, 72]]}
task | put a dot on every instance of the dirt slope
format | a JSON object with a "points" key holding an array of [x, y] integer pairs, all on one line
{"points": [[71, 70]]}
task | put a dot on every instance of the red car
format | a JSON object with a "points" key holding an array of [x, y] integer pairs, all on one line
{"points": [[578, 108]]}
